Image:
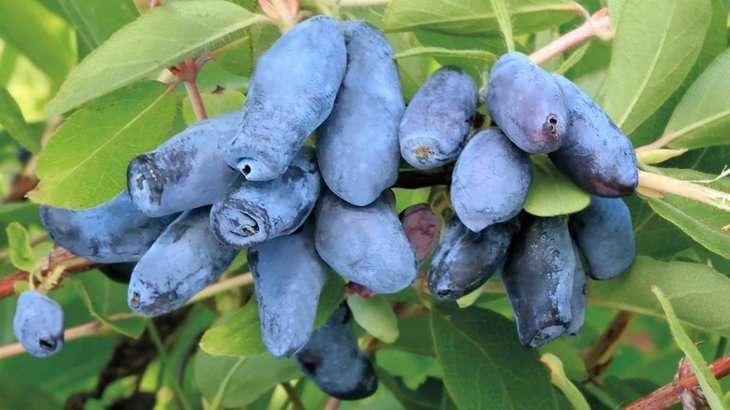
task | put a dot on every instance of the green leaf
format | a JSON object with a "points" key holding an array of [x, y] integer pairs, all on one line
{"points": [[703, 223], [505, 22], [104, 298], [21, 254], [698, 293], [12, 120], [237, 381], [573, 365], [428, 396], [332, 295], [472, 17], [85, 162], [475, 67], [551, 192], [479, 353], [644, 74], [659, 155], [560, 380], [702, 117], [160, 38], [708, 382], [376, 316], [39, 34], [96, 20], [238, 56], [470, 298], [415, 337], [236, 334], [412, 71], [214, 103], [713, 44]]}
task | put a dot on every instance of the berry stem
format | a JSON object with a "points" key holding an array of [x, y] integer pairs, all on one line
{"points": [[599, 25], [196, 99], [660, 184]]}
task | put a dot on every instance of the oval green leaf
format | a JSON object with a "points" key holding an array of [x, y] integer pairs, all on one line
{"points": [[21, 254], [698, 293], [104, 298], [85, 162], [40, 35], [551, 192], [236, 334], [702, 118], [479, 352], [703, 223], [96, 20], [708, 382], [158, 39], [234, 382], [470, 17], [12, 120], [644, 73]]}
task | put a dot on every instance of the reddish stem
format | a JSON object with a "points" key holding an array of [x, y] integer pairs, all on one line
{"points": [[598, 25], [669, 394]]}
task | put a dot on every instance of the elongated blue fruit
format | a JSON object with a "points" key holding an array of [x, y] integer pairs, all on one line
{"points": [[596, 155], [438, 119], [38, 324], [367, 244], [183, 260], [538, 276], [293, 88], [288, 276], [113, 232], [605, 234], [527, 104], [333, 361], [490, 180], [466, 259], [252, 212], [357, 147], [185, 172], [578, 299]]}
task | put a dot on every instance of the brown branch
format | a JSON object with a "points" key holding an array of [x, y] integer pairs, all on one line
{"points": [[421, 179], [597, 25], [293, 396], [669, 394], [599, 355], [58, 256]]}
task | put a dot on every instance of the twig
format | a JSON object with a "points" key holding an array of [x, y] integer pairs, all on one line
{"points": [[332, 404], [73, 333], [26, 180], [92, 328], [293, 396], [598, 25], [57, 257], [669, 394], [196, 99], [599, 355]]}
